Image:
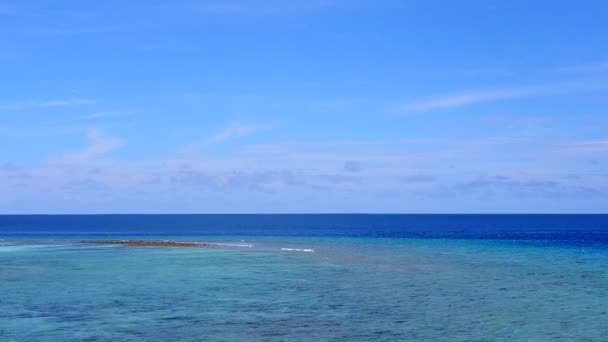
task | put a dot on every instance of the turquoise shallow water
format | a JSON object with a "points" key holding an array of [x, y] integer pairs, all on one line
{"points": [[348, 289]]}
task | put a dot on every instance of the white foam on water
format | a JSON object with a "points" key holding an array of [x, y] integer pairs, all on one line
{"points": [[4, 249], [18, 248], [305, 250]]}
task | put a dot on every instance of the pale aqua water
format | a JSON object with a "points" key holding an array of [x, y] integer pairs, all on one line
{"points": [[349, 289]]}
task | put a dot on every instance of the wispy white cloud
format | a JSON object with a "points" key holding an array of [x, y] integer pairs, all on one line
{"points": [[501, 140], [20, 105], [105, 115], [99, 144], [234, 131], [66, 103], [90, 180], [467, 98], [481, 96]]}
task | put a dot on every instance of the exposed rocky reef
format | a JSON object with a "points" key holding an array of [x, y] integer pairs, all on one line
{"points": [[148, 243]]}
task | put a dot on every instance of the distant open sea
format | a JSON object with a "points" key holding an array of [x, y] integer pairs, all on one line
{"points": [[305, 278]]}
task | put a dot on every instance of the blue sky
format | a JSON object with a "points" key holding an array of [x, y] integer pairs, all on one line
{"points": [[303, 106]]}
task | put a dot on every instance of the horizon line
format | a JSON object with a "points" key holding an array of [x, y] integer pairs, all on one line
{"points": [[296, 213]]}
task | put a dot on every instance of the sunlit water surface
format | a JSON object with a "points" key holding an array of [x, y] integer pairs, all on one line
{"points": [[306, 278], [348, 289]]}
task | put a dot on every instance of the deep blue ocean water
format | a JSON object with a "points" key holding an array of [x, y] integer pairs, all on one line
{"points": [[306, 278]]}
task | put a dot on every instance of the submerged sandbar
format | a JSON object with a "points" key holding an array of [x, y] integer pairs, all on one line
{"points": [[148, 243]]}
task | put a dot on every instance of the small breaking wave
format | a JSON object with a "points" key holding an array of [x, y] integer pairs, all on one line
{"points": [[305, 250], [18, 248]]}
